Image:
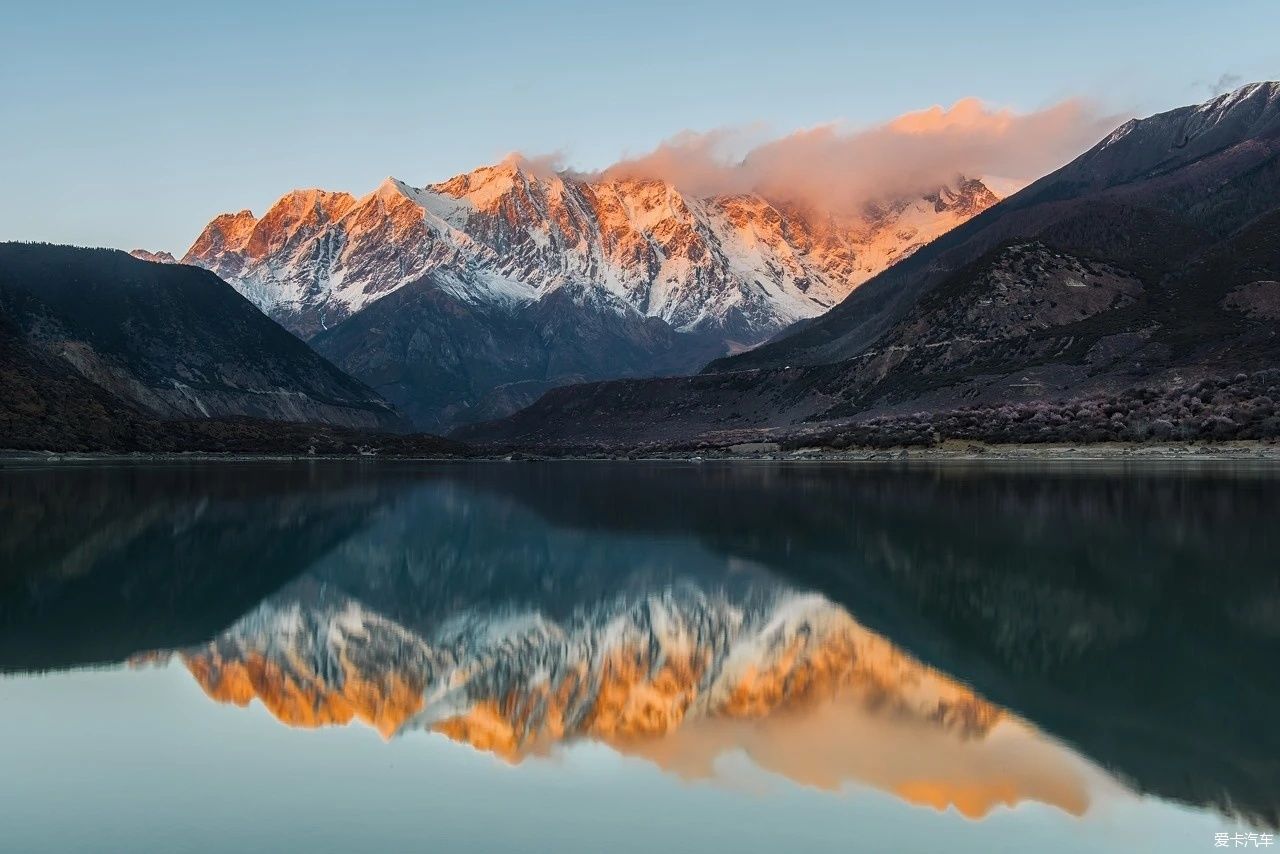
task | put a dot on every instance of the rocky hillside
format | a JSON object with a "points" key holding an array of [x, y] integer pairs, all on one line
{"points": [[1154, 194], [99, 339], [660, 281], [1151, 260], [447, 361]]}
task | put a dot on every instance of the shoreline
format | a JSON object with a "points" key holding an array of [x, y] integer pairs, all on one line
{"points": [[1250, 451]]}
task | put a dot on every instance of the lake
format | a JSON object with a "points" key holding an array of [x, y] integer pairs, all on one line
{"points": [[589, 657]]}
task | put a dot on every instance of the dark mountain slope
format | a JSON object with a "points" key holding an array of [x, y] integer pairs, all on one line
{"points": [[169, 340], [46, 403], [1205, 169], [1024, 323], [444, 360], [1161, 277]]}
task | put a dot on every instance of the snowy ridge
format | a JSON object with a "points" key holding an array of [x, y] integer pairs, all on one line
{"points": [[506, 234], [1250, 113]]}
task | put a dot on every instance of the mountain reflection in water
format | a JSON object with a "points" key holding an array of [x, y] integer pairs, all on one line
{"points": [[958, 637], [790, 678]]}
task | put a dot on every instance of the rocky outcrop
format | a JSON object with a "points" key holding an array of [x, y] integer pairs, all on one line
{"points": [[155, 257]]}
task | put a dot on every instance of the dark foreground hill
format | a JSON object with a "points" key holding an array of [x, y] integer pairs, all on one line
{"points": [[1152, 261], [167, 340], [100, 351], [46, 405]]}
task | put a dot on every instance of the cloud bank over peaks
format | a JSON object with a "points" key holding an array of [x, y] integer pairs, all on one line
{"points": [[833, 167]]}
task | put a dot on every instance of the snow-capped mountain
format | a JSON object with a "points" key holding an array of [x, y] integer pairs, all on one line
{"points": [[511, 232], [513, 279]]}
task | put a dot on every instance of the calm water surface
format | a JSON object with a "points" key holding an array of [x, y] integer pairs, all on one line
{"points": [[587, 657]]}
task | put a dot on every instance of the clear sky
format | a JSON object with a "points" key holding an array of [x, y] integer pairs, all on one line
{"points": [[131, 124]]}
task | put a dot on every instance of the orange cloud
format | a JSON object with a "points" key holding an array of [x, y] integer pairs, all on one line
{"points": [[835, 168]]}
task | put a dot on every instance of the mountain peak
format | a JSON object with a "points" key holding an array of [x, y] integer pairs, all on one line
{"points": [[967, 196], [297, 215], [1250, 111], [488, 185], [226, 233], [161, 257], [312, 199], [392, 186], [1142, 148], [1263, 93]]}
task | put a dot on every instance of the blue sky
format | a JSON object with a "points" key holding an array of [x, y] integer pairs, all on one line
{"points": [[133, 123]]}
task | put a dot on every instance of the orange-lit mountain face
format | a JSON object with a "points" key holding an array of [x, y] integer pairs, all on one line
{"points": [[741, 265], [678, 678]]}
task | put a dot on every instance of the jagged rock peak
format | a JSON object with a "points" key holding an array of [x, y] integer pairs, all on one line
{"points": [[738, 265], [160, 257]]}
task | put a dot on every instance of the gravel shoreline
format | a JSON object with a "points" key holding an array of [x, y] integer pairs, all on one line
{"points": [[759, 452]]}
